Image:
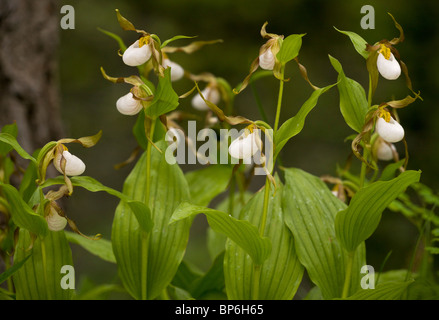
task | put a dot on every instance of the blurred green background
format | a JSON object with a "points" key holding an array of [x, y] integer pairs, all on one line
{"points": [[88, 101]]}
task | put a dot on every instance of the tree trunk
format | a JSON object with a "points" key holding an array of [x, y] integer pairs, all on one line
{"points": [[29, 36]]}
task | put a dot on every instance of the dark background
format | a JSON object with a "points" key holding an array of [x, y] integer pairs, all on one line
{"points": [[88, 101]]}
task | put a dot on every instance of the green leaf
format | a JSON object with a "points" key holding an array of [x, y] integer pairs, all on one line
{"points": [[294, 125], [165, 98], [40, 277], [384, 291], [166, 42], [390, 170], [241, 232], [9, 272], [147, 262], [186, 275], [281, 274], [11, 129], [353, 101], [101, 248], [290, 48], [206, 183], [216, 242], [11, 141], [212, 281], [119, 40], [358, 42], [22, 215], [310, 210], [140, 210], [357, 223]]}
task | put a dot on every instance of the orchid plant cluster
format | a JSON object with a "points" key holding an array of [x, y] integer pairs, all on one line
{"points": [[260, 243]]}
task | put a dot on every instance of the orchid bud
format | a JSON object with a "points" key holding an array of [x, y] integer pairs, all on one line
{"points": [[177, 72], [136, 55], [74, 165], [385, 151], [387, 65], [210, 93], [390, 131], [54, 221], [245, 147], [267, 59], [128, 105]]}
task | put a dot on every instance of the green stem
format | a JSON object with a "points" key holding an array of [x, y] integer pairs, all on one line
{"points": [[8, 265], [44, 258], [257, 268], [347, 281], [369, 96], [363, 168], [145, 236], [279, 100]]}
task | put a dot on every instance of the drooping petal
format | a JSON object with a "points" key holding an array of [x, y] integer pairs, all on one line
{"points": [[129, 106], [390, 131], [74, 165], [388, 68], [135, 55], [177, 71], [210, 94]]}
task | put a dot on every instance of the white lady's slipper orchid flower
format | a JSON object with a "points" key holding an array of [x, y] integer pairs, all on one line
{"points": [[136, 55], [210, 94], [54, 221], [385, 151], [390, 131], [129, 106], [387, 65], [245, 147], [74, 165], [177, 72], [267, 60]]}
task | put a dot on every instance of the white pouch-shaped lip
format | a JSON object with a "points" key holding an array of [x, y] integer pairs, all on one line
{"points": [[389, 69], [390, 131], [177, 72], [210, 94], [135, 55], [267, 60], [129, 106], [54, 221], [385, 151], [245, 147], [74, 165]]}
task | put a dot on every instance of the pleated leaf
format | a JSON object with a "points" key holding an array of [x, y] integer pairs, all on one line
{"points": [[294, 125], [40, 277], [384, 291], [22, 215], [310, 210], [281, 273], [216, 242], [358, 42], [290, 48], [357, 223], [101, 248], [353, 102], [206, 183], [140, 209], [165, 98], [242, 232], [148, 261]]}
